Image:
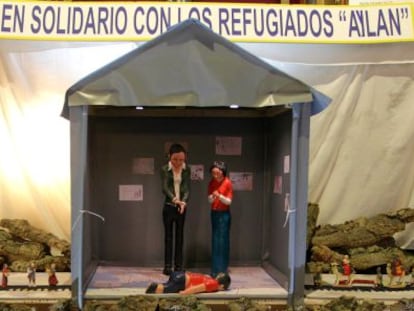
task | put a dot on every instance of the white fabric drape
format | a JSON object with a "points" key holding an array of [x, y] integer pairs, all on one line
{"points": [[34, 139], [360, 146]]}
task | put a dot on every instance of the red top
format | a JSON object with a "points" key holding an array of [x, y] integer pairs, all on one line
{"points": [[194, 279], [347, 269], [225, 188]]}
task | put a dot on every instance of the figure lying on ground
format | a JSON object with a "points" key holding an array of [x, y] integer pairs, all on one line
{"points": [[190, 283]]}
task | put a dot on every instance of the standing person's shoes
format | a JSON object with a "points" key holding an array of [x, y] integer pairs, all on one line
{"points": [[167, 271]]}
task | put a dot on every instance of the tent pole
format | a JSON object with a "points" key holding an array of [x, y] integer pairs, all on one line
{"points": [[78, 137], [298, 205]]}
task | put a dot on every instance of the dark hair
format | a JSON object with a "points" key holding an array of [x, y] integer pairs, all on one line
{"points": [[220, 165], [223, 279], [176, 148]]}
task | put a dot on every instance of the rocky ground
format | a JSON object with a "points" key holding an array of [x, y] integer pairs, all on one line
{"points": [[190, 303], [368, 242]]}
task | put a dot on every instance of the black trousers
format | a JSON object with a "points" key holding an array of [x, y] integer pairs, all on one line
{"points": [[172, 218]]}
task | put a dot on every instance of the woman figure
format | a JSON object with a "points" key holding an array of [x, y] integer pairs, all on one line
{"points": [[220, 195], [175, 177]]}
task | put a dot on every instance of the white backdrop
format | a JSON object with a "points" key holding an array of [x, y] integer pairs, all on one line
{"points": [[361, 146]]}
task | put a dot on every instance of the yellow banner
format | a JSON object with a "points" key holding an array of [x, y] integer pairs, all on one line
{"points": [[142, 21]]}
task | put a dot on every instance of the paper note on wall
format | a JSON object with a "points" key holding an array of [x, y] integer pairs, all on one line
{"points": [[227, 145], [197, 171], [278, 186], [286, 164], [143, 166], [131, 193], [242, 181]]}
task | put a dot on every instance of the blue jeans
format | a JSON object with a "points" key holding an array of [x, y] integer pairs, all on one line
{"points": [[220, 244]]}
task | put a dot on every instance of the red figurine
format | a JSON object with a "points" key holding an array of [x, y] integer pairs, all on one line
{"points": [[346, 266], [5, 276], [53, 281], [396, 270], [347, 269], [344, 273]]}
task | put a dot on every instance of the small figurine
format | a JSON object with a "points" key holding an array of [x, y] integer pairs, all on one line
{"points": [[317, 277], [53, 281], [5, 275], [379, 278], [347, 269], [344, 273], [335, 271], [412, 276], [31, 274], [395, 269]]}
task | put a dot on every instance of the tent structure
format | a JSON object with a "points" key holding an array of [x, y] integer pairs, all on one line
{"points": [[199, 69], [194, 73]]}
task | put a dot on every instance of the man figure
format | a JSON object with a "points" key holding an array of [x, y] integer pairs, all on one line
{"points": [[175, 179], [190, 283]]}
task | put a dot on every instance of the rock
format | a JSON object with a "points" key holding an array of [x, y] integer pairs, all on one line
{"points": [[184, 303], [14, 307], [368, 241], [62, 264], [97, 306], [361, 258], [22, 250], [144, 303], [62, 305], [358, 233], [245, 304], [24, 230], [313, 213], [21, 243]]}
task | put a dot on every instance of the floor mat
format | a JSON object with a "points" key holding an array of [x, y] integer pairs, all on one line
{"points": [[130, 277], [114, 281]]}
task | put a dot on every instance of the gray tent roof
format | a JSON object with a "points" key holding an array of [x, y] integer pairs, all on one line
{"points": [[189, 65]]}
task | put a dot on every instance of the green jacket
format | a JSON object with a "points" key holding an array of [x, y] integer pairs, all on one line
{"points": [[167, 180]]}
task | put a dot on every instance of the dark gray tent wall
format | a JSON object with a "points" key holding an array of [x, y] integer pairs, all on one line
{"points": [[105, 140], [132, 233]]}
